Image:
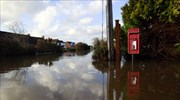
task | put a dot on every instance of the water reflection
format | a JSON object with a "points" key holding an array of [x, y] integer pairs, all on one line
{"points": [[133, 84], [12, 63], [113, 86], [77, 53], [69, 54], [82, 53], [148, 80], [79, 77], [67, 79]]}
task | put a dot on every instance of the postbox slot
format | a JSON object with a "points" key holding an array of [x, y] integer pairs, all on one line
{"points": [[134, 45]]}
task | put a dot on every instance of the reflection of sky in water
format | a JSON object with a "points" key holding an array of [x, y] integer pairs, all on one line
{"points": [[80, 78], [70, 78]]}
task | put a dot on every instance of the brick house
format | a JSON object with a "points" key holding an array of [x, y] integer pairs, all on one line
{"points": [[69, 45]]}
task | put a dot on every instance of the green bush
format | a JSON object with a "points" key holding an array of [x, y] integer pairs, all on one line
{"points": [[82, 52], [158, 21], [82, 46]]}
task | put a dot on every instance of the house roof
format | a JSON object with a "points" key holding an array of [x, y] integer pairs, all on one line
{"points": [[53, 40], [12, 33], [70, 42], [56, 40]]}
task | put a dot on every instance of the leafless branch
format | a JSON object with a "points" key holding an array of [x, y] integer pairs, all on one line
{"points": [[16, 27]]}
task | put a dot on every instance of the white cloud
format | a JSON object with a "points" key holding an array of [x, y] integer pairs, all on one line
{"points": [[85, 21], [10, 10], [73, 20], [44, 20], [95, 7], [71, 31], [45, 17], [13, 10]]}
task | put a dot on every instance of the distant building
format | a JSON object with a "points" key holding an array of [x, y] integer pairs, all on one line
{"points": [[63, 44], [58, 42], [33, 41], [21, 38], [69, 45], [55, 41]]}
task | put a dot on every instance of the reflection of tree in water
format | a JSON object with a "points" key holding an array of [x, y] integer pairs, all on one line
{"points": [[47, 59], [101, 66], [82, 52], [78, 53], [158, 79], [18, 76], [11, 63], [69, 53], [114, 80]]}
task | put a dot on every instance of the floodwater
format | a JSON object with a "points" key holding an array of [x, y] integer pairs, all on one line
{"points": [[75, 76]]}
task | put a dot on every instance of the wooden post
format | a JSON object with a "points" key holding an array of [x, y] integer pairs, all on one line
{"points": [[117, 40], [110, 79], [109, 25], [118, 86], [117, 30]]}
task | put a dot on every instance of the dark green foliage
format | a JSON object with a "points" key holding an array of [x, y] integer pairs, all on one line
{"points": [[138, 11], [82, 46], [177, 45], [159, 22]]}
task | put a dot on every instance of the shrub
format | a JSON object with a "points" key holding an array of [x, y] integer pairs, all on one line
{"points": [[82, 46], [100, 50]]}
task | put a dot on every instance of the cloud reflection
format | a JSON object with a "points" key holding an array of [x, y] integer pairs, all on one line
{"points": [[72, 78]]}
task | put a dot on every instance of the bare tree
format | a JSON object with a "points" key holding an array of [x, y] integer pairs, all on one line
{"points": [[96, 42], [16, 27]]}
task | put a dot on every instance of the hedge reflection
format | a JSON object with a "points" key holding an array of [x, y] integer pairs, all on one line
{"points": [[158, 79], [12, 63]]}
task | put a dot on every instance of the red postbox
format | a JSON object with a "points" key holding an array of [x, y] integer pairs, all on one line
{"points": [[133, 40]]}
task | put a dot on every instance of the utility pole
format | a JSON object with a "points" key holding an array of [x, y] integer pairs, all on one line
{"points": [[102, 17], [109, 25]]}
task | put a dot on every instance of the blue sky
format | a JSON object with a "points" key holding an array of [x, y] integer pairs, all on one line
{"points": [[67, 20]]}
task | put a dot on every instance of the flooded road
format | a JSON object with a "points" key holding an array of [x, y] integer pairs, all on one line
{"points": [[75, 76]]}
